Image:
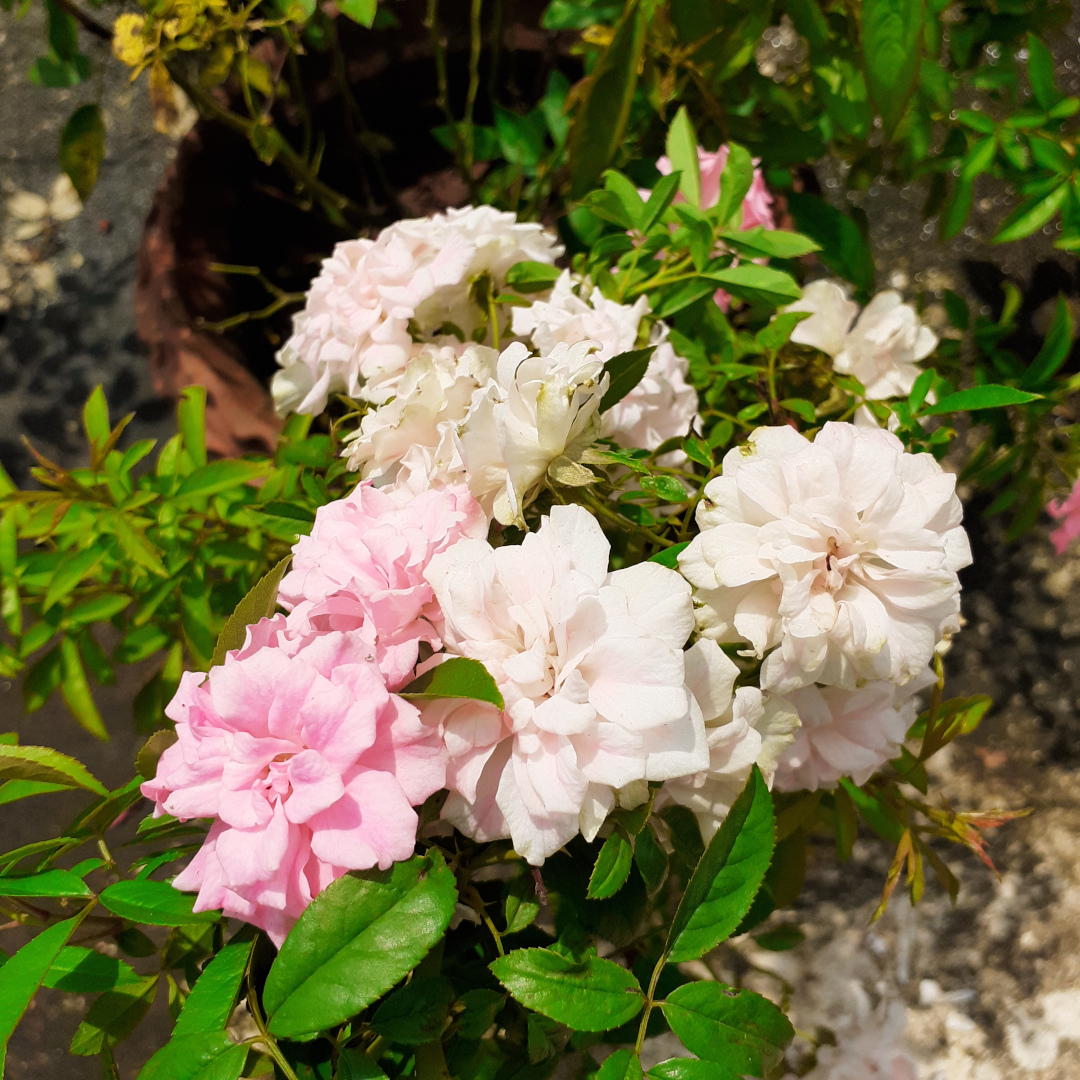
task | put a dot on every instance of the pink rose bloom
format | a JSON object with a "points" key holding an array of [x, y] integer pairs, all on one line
{"points": [[309, 765], [756, 207], [361, 570], [1069, 510]]}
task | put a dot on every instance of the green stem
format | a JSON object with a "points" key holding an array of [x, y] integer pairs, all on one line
{"points": [[475, 48], [439, 54], [643, 1026], [598, 506]]}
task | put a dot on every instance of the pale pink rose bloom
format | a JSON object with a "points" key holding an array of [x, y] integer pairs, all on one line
{"points": [[839, 555], [744, 727], [757, 203], [847, 732], [590, 666], [308, 765], [361, 571], [1068, 510], [353, 335]]}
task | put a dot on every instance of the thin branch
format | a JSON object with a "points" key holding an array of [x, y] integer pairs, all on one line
{"points": [[86, 20]]}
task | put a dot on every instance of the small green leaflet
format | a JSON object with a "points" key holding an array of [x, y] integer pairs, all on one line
{"points": [[669, 557], [259, 603], [682, 152], [84, 971], [528, 277], [612, 866], [989, 396], [154, 902], [114, 1016], [209, 1055], [625, 371], [48, 766], [56, 883], [210, 1003], [1055, 349], [361, 11], [588, 994], [758, 284], [457, 677], [891, 43]]}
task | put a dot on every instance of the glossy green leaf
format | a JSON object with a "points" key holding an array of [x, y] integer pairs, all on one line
{"points": [[1031, 215], [210, 1003], [989, 396], [21, 975], [48, 766], [764, 243], [259, 603], [82, 149], [758, 284], [727, 878], [736, 1028], [625, 371], [601, 115], [13, 790], [416, 1013], [892, 47], [208, 1055], [684, 1068], [622, 1064], [682, 152], [75, 687], [355, 1065], [85, 971], [219, 476], [357, 939], [1041, 72], [650, 859], [113, 1017], [191, 419], [96, 410], [58, 883], [147, 759], [612, 866], [587, 995], [457, 677], [361, 11], [521, 904], [627, 193], [664, 191], [154, 902], [529, 277], [735, 182], [669, 557], [1055, 349]]}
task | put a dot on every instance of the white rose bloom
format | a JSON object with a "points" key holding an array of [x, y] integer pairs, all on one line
{"points": [[743, 729], [354, 334], [871, 1048], [881, 350], [841, 555], [591, 668], [536, 409], [662, 405], [847, 732], [412, 440]]}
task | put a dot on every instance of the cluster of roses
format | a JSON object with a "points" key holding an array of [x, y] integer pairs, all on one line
{"points": [[834, 562]]}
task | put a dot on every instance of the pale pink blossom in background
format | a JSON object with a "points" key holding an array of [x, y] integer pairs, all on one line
{"points": [[591, 668], [308, 765], [361, 570], [1068, 512], [847, 732], [743, 727], [837, 557], [354, 334]]}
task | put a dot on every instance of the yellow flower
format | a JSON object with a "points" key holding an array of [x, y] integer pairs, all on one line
{"points": [[129, 46]]}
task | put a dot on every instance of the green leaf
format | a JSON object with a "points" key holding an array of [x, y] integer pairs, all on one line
{"points": [[355, 1065], [682, 295], [259, 603], [70, 573], [147, 759], [736, 1028], [1041, 73], [782, 939], [59, 883], [357, 939], [728, 876], [891, 45], [458, 677], [682, 152], [650, 859], [758, 242], [989, 396], [587, 995], [82, 149], [530, 277], [1055, 349], [600, 118], [191, 419], [735, 182], [612, 866], [21, 976], [113, 1017], [669, 557], [86, 971], [416, 1013], [623, 1064], [625, 370], [844, 249], [48, 766], [154, 902], [219, 476], [13, 790], [76, 690], [135, 544], [624, 190], [802, 408], [361, 11], [1031, 215], [663, 192], [96, 409], [480, 1009], [666, 488], [758, 284], [210, 1003], [209, 1055], [691, 1069], [521, 904]]}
